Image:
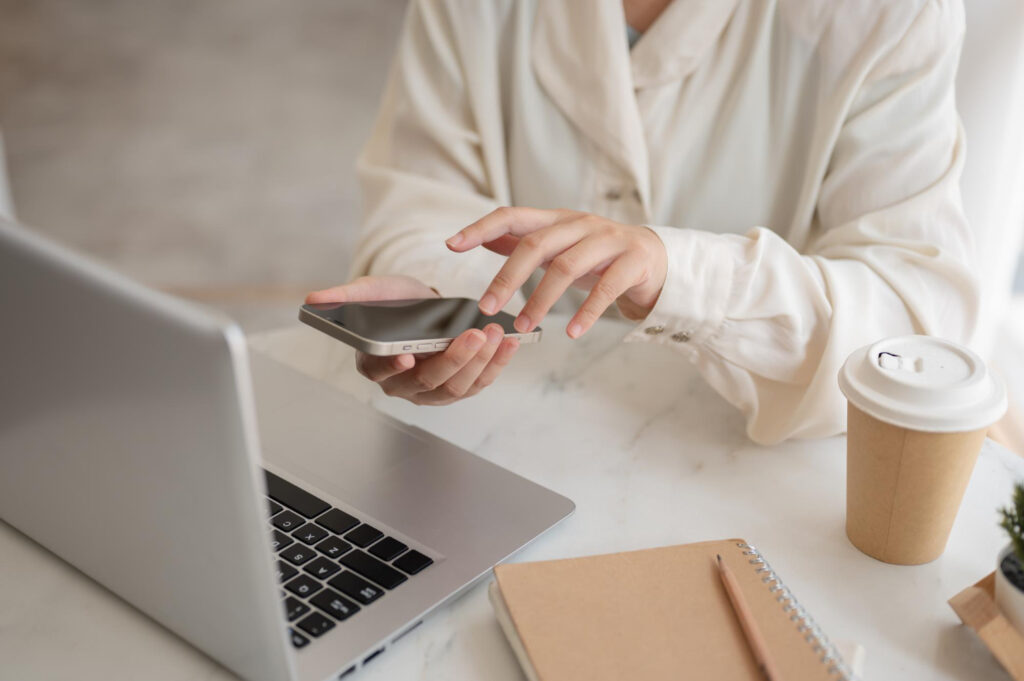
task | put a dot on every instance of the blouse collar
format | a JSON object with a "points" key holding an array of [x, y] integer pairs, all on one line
{"points": [[580, 56]]}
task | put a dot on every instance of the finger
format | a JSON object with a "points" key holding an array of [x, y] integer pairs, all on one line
{"points": [[534, 249], [459, 384], [505, 220], [622, 275], [503, 245], [432, 372], [501, 358], [372, 288], [335, 294], [566, 268], [378, 369]]}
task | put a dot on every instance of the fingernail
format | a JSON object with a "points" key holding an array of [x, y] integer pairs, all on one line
{"points": [[489, 304], [476, 341], [494, 335], [575, 329], [522, 323], [455, 240]]}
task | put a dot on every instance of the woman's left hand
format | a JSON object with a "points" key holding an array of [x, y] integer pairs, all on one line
{"points": [[615, 262]]}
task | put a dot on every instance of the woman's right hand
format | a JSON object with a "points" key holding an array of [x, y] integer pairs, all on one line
{"points": [[467, 366]]}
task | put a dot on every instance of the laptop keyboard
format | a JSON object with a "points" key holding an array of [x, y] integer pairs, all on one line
{"points": [[330, 563]]}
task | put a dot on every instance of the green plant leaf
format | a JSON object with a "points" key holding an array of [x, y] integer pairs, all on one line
{"points": [[1012, 520]]}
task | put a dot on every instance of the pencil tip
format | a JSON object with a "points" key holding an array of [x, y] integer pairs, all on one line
{"points": [[718, 557]]}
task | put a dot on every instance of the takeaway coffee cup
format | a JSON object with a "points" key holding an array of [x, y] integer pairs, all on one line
{"points": [[919, 408]]}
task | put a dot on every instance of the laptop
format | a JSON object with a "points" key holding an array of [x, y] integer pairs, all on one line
{"points": [[283, 527]]}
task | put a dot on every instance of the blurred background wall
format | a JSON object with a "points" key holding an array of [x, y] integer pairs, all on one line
{"points": [[203, 146]]}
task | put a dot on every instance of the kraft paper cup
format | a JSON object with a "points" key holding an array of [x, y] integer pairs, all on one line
{"points": [[919, 408]]}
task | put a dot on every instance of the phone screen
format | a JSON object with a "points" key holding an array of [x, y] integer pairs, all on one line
{"points": [[402, 320]]}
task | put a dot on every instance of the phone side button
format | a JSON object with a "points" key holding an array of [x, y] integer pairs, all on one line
{"points": [[406, 347], [425, 347], [441, 346]]}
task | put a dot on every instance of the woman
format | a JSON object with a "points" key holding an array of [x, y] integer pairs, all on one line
{"points": [[762, 186]]}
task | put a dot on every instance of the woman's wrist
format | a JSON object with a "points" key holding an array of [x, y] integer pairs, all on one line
{"points": [[633, 311]]}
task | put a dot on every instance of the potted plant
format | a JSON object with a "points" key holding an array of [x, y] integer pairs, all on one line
{"points": [[1010, 566]]}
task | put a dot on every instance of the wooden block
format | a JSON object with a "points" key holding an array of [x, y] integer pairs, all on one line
{"points": [[976, 607]]}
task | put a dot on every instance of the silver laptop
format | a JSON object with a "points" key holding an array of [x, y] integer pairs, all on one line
{"points": [[284, 528]]}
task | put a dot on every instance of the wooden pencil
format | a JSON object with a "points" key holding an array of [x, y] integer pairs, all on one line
{"points": [[747, 622]]}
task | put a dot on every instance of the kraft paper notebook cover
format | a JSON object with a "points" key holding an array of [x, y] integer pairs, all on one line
{"points": [[656, 614]]}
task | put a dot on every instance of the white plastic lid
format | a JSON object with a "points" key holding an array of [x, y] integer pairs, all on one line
{"points": [[923, 383]]}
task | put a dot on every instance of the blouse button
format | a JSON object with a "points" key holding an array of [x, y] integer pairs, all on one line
{"points": [[654, 330], [613, 195], [681, 337]]}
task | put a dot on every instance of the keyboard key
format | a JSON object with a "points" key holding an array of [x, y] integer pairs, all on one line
{"points": [[297, 554], [364, 535], [413, 562], [334, 604], [316, 624], [286, 521], [309, 534], [355, 586], [295, 498], [337, 521], [285, 571], [294, 608], [303, 585], [298, 640], [387, 548], [279, 540], [371, 568], [321, 568], [333, 547], [274, 507]]}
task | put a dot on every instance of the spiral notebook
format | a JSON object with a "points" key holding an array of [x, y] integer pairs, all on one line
{"points": [[656, 614]]}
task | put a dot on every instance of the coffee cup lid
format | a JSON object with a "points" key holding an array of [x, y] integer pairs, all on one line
{"points": [[923, 383]]}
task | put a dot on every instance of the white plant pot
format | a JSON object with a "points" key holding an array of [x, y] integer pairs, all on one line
{"points": [[1009, 598]]}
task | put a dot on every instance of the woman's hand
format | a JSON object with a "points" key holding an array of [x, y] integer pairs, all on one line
{"points": [[467, 366], [615, 262]]}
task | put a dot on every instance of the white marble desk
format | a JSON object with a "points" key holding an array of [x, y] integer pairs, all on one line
{"points": [[650, 455]]}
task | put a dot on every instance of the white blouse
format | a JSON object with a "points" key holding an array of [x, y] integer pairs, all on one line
{"points": [[798, 158]]}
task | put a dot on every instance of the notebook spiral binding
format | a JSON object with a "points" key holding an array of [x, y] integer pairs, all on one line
{"points": [[804, 622]]}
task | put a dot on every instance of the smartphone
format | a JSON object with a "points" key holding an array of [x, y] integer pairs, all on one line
{"points": [[396, 327]]}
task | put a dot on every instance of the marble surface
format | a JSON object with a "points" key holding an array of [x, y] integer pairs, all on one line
{"points": [[650, 455]]}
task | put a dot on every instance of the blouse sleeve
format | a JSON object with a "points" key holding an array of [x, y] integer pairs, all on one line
{"points": [[769, 327], [425, 172]]}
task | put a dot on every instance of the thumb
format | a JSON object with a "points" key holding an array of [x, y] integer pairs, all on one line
{"points": [[372, 288]]}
